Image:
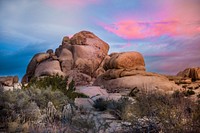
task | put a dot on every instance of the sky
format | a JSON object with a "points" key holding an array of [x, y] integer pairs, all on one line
{"points": [[165, 32]]}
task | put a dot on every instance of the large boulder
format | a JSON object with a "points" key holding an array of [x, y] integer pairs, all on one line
{"points": [[144, 81], [128, 60], [88, 52], [193, 73], [81, 56], [38, 58], [126, 70], [49, 68], [66, 60]]}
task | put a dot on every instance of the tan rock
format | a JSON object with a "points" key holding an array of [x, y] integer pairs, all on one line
{"points": [[129, 60], [193, 73], [87, 58], [88, 38], [66, 39], [9, 80], [65, 55], [79, 78], [93, 92], [88, 52], [32, 65], [41, 57], [49, 68], [144, 81]]}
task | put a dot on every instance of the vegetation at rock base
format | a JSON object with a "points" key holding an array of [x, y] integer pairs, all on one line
{"points": [[155, 112], [43, 106], [21, 109], [56, 83]]}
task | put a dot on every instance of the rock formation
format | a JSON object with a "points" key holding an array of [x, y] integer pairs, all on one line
{"points": [[84, 57], [80, 57], [126, 70], [9, 83], [193, 73]]}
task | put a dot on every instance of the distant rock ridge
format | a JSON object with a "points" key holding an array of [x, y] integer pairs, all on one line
{"points": [[84, 57], [193, 73]]}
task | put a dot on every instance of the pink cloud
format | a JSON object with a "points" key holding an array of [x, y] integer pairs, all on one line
{"points": [[132, 29]]}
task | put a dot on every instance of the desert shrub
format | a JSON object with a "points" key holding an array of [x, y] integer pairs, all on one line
{"points": [[56, 83], [153, 112], [100, 104], [189, 92], [70, 92]]}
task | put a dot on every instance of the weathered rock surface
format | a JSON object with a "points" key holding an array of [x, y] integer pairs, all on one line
{"points": [[125, 71], [49, 68], [128, 60], [80, 57], [9, 80], [33, 64], [193, 73], [88, 51], [9, 83], [144, 81], [187, 79]]}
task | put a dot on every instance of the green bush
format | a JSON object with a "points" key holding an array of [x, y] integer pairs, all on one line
{"points": [[56, 83]]}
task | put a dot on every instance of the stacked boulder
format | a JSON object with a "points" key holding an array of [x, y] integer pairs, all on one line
{"points": [[9, 83], [193, 73], [80, 57], [126, 71], [188, 78]]}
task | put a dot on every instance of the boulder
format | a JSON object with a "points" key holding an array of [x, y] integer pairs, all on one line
{"points": [[84, 54], [79, 78], [9, 80], [88, 38], [65, 55], [49, 68], [50, 51], [65, 40], [193, 73], [88, 52], [66, 60], [32, 65], [93, 92], [144, 81], [129, 60]]}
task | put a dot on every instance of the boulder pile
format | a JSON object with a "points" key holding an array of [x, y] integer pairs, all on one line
{"points": [[126, 71], [187, 79], [80, 57], [9, 83], [84, 57]]}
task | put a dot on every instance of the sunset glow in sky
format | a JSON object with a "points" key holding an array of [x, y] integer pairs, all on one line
{"points": [[166, 32]]}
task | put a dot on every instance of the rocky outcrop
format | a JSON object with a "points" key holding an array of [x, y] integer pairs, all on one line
{"points": [[126, 70], [187, 79], [127, 60], [48, 68], [9, 80], [84, 57], [80, 56], [126, 80], [193, 73], [9, 83]]}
